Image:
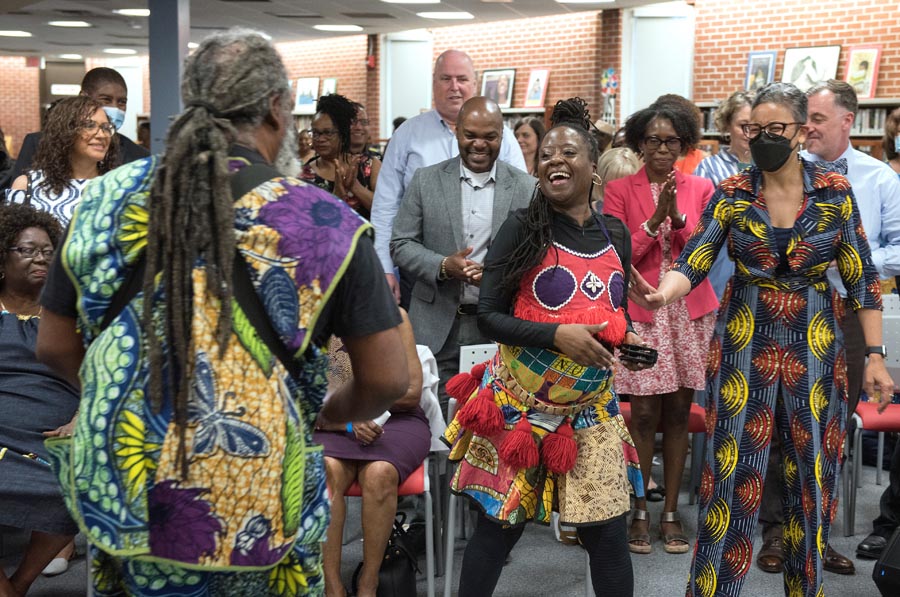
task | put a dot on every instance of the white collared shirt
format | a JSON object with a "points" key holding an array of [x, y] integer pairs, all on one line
{"points": [[477, 202]]}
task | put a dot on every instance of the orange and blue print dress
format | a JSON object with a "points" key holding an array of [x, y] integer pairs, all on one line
{"points": [[776, 366]]}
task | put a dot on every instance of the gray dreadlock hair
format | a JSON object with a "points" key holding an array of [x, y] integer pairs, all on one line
{"points": [[228, 86]]}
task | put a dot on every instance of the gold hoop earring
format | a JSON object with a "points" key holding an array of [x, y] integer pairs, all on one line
{"points": [[596, 179]]}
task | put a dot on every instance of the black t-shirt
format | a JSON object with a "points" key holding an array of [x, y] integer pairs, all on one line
{"points": [[495, 303]]}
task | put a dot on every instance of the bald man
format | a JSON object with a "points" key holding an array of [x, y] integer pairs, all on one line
{"points": [[450, 213], [425, 140]]}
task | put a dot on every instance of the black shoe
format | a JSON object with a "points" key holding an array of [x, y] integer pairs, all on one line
{"points": [[871, 547]]}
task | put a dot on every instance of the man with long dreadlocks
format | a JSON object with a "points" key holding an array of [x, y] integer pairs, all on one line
{"points": [[192, 469]]}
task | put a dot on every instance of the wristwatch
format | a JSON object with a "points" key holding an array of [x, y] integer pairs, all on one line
{"points": [[882, 350]]}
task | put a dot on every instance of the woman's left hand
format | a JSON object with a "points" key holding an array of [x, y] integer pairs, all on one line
{"points": [[877, 382], [367, 432], [64, 430]]}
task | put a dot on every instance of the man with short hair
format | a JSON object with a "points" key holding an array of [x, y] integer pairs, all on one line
{"points": [[108, 87], [832, 110], [445, 224], [425, 140]]}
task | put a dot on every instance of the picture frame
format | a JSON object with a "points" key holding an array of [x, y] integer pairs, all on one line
{"points": [[862, 69], [497, 84], [536, 91], [329, 86], [307, 94], [760, 69], [805, 67]]}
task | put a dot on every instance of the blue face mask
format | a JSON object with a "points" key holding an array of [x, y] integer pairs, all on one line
{"points": [[115, 115]]}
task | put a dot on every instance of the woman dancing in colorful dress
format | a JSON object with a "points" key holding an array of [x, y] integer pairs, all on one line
{"points": [[540, 428]]}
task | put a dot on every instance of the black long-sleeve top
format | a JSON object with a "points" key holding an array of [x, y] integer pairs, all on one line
{"points": [[495, 319]]}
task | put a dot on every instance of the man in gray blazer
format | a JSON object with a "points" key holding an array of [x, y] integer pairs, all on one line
{"points": [[444, 227]]}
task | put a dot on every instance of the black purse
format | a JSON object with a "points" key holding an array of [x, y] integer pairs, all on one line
{"points": [[397, 575]]}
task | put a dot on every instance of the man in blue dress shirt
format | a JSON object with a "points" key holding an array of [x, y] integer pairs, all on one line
{"points": [[425, 140]]}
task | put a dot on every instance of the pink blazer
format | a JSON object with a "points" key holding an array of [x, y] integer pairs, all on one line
{"points": [[629, 199]]}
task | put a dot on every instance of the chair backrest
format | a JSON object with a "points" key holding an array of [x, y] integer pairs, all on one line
{"points": [[475, 353]]}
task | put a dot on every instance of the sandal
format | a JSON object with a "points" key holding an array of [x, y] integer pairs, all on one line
{"points": [[673, 542], [657, 494], [639, 542]]}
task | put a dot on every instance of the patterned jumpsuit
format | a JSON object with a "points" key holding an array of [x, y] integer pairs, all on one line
{"points": [[776, 366]]}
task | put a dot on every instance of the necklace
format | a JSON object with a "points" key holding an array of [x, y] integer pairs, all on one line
{"points": [[4, 310]]}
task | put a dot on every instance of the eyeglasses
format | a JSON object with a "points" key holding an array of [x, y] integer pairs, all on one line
{"points": [[32, 252], [673, 143], [326, 133], [361, 122], [772, 130], [92, 125]]}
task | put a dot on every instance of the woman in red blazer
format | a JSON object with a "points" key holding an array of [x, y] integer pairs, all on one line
{"points": [[661, 207]]}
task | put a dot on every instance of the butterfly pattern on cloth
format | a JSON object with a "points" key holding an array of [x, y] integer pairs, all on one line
{"points": [[217, 427]]}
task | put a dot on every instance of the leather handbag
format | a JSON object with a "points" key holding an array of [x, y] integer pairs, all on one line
{"points": [[397, 575]]}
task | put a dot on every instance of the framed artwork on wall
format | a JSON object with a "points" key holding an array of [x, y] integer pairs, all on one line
{"points": [[536, 91], [806, 66], [760, 70], [329, 86], [307, 92], [862, 69], [497, 84]]}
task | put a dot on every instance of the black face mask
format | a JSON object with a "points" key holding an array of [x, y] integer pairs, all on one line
{"points": [[770, 154]]}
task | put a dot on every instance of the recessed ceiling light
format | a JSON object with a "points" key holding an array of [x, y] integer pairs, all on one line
{"points": [[14, 34], [72, 24], [411, 1], [133, 12], [71, 56], [585, 1], [338, 28], [192, 45], [451, 16], [123, 51]]}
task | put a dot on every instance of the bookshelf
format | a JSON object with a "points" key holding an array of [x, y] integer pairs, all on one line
{"points": [[868, 127]]}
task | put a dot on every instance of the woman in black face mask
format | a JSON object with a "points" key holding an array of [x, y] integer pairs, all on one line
{"points": [[776, 364]]}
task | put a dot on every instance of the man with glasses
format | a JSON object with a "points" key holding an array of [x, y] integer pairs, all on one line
{"points": [[832, 110], [425, 140]]}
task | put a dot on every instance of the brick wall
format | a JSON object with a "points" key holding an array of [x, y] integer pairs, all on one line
{"points": [[728, 29], [20, 112], [568, 45], [343, 58]]}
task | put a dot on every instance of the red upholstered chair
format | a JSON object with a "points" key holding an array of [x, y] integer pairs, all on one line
{"points": [[866, 418], [416, 484], [697, 429]]}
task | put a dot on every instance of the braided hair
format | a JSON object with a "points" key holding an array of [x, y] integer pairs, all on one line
{"points": [[229, 82], [342, 113], [573, 114]]}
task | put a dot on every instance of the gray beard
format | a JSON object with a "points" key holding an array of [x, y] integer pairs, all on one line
{"points": [[287, 162]]}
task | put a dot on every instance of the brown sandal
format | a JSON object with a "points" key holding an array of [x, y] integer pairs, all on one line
{"points": [[673, 542], [639, 542]]}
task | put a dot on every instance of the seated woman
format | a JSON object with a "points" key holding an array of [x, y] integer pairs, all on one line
{"points": [[539, 429], [34, 400], [78, 144], [335, 169], [377, 456]]}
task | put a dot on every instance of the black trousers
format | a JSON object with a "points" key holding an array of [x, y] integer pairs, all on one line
{"points": [[889, 505], [606, 544]]}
